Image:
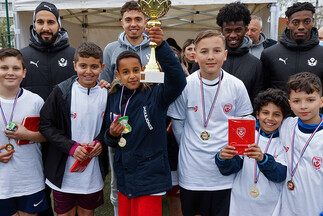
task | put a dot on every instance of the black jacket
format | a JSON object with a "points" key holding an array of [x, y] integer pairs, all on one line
{"points": [[287, 58], [241, 64], [47, 65], [55, 125]]}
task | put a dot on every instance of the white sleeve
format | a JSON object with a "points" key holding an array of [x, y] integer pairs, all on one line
{"points": [[178, 109], [178, 128]]}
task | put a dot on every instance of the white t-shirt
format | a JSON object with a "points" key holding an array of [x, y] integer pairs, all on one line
{"points": [[23, 174], [307, 197], [196, 162], [87, 113], [242, 203]]}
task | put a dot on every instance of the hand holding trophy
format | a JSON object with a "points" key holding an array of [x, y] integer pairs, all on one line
{"points": [[153, 9]]}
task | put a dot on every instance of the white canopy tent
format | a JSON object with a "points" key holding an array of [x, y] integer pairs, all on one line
{"points": [[99, 20]]}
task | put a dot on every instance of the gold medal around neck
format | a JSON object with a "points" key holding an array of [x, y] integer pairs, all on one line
{"points": [[9, 147], [122, 142], [254, 192], [205, 135], [290, 185]]}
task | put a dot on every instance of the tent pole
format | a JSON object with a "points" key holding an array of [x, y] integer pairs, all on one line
{"points": [[8, 24]]}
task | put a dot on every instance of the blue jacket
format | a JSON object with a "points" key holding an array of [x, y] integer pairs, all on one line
{"points": [[142, 166]]}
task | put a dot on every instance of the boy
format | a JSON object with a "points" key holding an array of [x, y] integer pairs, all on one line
{"points": [[140, 161], [202, 133], [71, 118], [21, 179], [261, 171], [301, 136]]}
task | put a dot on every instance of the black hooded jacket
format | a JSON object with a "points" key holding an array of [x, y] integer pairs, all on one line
{"points": [[241, 64], [47, 65], [287, 58]]}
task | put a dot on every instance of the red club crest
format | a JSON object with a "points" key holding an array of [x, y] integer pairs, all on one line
{"points": [[241, 131], [317, 161], [227, 108], [74, 115], [195, 108], [286, 148]]}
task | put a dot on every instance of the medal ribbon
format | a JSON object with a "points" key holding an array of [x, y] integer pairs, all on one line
{"points": [[125, 109], [13, 109], [304, 148], [206, 121], [256, 174]]}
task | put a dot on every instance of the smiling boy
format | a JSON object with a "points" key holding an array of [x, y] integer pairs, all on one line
{"points": [[302, 192], [71, 119]]}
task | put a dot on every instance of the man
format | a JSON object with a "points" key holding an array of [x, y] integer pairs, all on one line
{"points": [[233, 20], [259, 40], [298, 50], [132, 38], [49, 58], [321, 36]]}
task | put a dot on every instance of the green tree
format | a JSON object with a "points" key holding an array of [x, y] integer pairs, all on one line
{"points": [[4, 32]]}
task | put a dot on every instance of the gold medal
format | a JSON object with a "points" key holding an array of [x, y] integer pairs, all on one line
{"points": [[290, 185], [122, 142], [254, 192], [9, 147], [205, 135]]}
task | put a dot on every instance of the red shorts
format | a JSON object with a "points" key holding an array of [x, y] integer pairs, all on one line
{"points": [[174, 192], [140, 206], [64, 202]]}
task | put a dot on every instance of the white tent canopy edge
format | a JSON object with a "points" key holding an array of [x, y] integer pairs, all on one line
{"points": [[98, 21]]}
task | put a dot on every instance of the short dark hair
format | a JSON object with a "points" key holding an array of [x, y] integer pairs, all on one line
{"points": [[304, 81], [12, 52], [299, 6], [87, 50], [275, 96], [233, 12], [127, 54], [128, 6]]}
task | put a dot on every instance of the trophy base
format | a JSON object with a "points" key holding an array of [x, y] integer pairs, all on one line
{"points": [[152, 77]]}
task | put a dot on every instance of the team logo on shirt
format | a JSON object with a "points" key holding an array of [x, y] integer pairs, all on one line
{"points": [[227, 108], [317, 161], [195, 108], [286, 148], [312, 62], [241, 131], [74, 115], [62, 62], [102, 115]]}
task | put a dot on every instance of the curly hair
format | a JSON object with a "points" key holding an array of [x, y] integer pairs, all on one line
{"points": [[299, 6], [87, 50], [304, 81], [275, 96], [233, 12]]}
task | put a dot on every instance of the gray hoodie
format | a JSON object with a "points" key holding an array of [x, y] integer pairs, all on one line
{"points": [[112, 50]]}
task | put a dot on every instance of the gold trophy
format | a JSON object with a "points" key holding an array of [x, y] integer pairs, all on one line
{"points": [[153, 9]]}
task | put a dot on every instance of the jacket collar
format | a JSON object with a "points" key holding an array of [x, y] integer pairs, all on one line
{"points": [[287, 42]]}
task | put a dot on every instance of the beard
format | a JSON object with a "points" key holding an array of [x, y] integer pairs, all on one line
{"points": [[299, 41], [47, 41]]}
